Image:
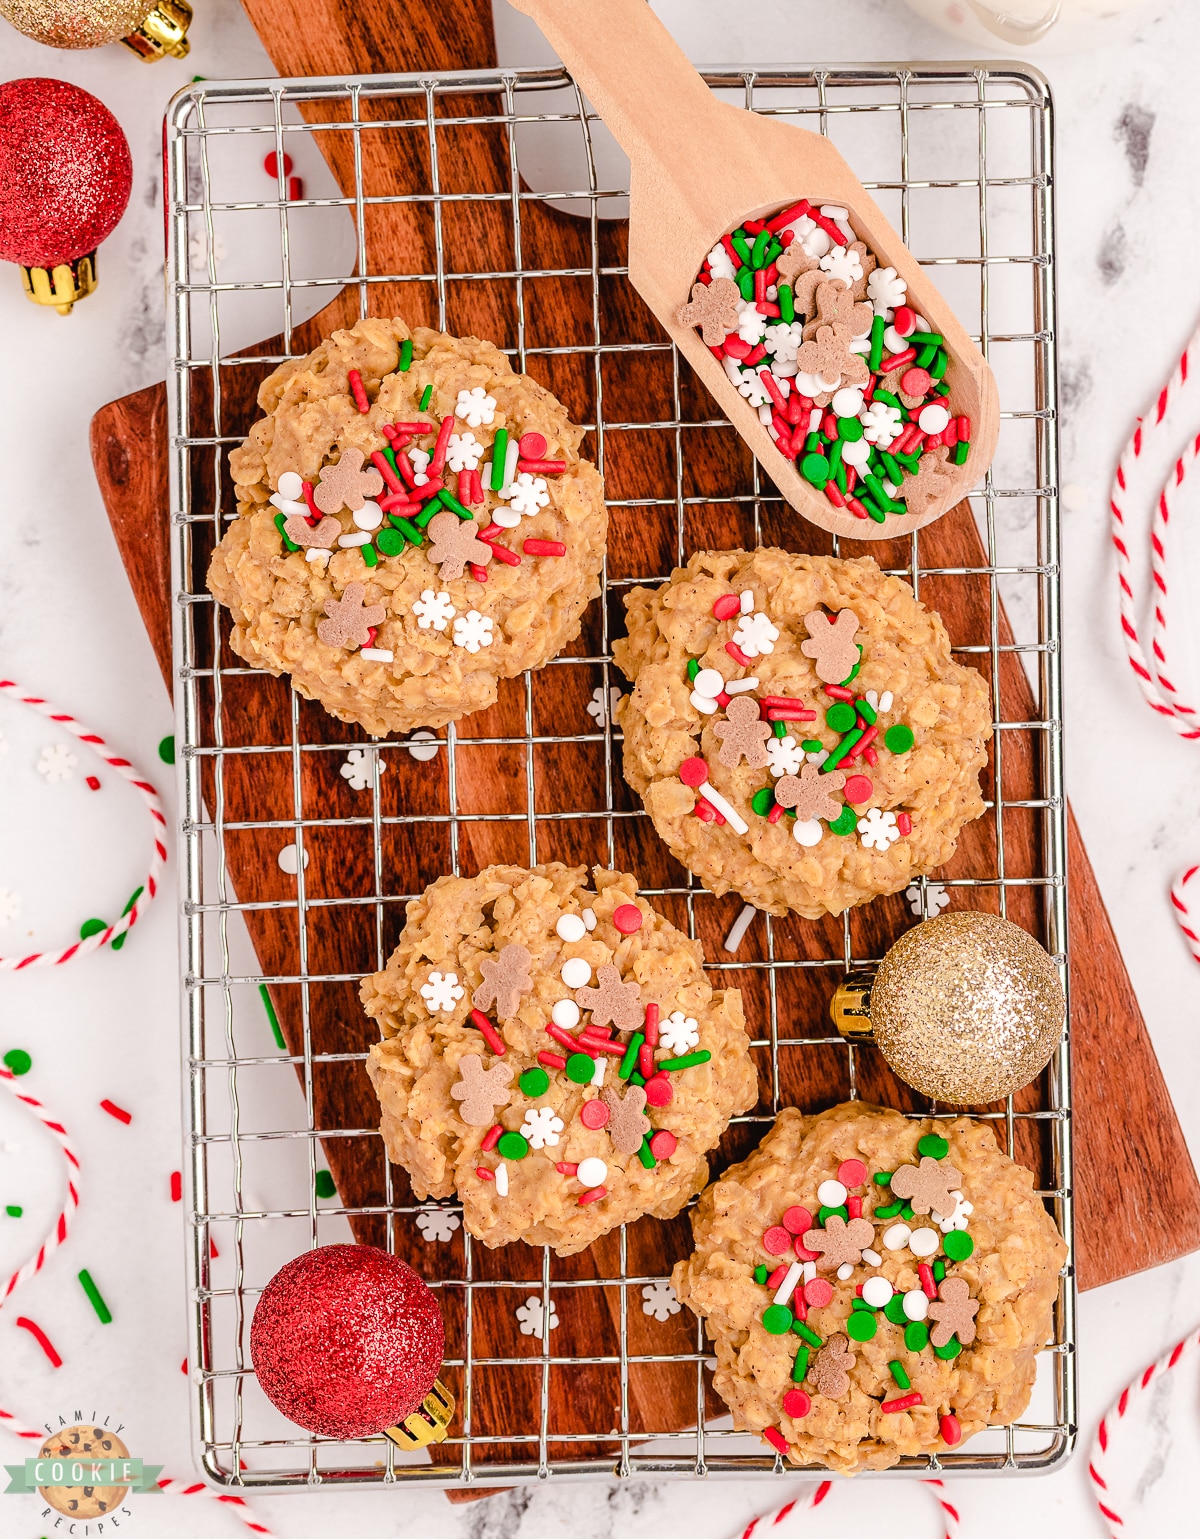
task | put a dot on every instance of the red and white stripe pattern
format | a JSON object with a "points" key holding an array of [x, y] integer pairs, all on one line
{"points": [[58, 1231], [1129, 1396], [236, 1504], [763, 1524], [149, 795], [1189, 926]]}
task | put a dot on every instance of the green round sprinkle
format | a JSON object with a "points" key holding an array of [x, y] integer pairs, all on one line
{"points": [[760, 1275], [840, 716], [166, 749], [882, 1178], [535, 1082], [952, 1348], [825, 1213], [762, 801], [18, 1061], [815, 469], [861, 1326], [580, 1069], [916, 1335], [390, 542], [777, 1319], [935, 1147], [958, 1244], [513, 1146], [91, 927], [845, 822], [693, 668], [324, 1184], [898, 739], [13, 1210], [812, 745], [894, 1309], [850, 429]]}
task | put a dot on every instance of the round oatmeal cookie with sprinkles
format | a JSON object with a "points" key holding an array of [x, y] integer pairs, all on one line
{"points": [[555, 1056], [876, 1286], [798, 730], [414, 524]]}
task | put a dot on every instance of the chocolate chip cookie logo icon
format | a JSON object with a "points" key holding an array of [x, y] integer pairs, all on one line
{"points": [[84, 1472]]}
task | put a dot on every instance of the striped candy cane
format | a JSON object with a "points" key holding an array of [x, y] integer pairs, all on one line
{"points": [[237, 1504], [149, 795], [1116, 1413], [813, 1499], [1154, 681], [58, 1231]]}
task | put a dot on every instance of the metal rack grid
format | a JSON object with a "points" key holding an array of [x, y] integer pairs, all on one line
{"points": [[958, 113]]}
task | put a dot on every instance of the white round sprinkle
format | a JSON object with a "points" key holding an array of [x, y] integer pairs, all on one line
{"points": [[844, 1271], [916, 1305], [589, 918], [923, 1242], [576, 971], [290, 486], [896, 1237], [570, 927], [877, 1291], [565, 1014], [807, 833], [933, 419], [872, 1258], [423, 745], [705, 704], [856, 452], [831, 1194], [369, 516], [894, 342], [288, 859], [592, 1172], [847, 402], [709, 682]]}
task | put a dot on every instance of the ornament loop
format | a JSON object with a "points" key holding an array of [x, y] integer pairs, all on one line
{"points": [[429, 1423], [850, 1007]]}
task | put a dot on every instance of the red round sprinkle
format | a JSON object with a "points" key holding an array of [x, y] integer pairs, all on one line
{"points": [[693, 772], [628, 918], [776, 1240], [797, 1220], [857, 790], [594, 1114], [950, 1429], [532, 446], [852, 1172], [658, 1091], [803, 1253], [904, 319], [818, 1292], [728, 605], [271, 164], [796, 1404], [915, 381], [663, 1144]]}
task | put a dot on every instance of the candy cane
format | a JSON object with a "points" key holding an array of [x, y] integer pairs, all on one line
{"points": [[149, 795], [1189, 926], [1116, 1413], [58, 1231], [197, 1488], [817, 1495]]}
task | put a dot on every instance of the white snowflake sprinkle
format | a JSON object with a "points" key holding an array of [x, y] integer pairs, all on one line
{"points": [[755, 635], [936, 899], [56, 762], [751, 323], [541, 1127], [958, 1219], [10, 906], [463, 452], [528, 494], [441, 992], [679, 1033], [473, 630], [720, 263], [784, 756], [660, 1300], [747, 384], [531, 1317], [783, 339], [841, 262], [475, 407], [359, 768], [596, 705], [437, 1224], [881, 424], [878, 829], [434, 609], [886, 290]]}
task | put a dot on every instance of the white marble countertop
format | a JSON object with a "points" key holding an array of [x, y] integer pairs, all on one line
{"points": [[107, 1026]]}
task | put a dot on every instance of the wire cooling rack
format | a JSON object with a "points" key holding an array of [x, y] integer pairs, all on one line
{"points": [[960, 158]]}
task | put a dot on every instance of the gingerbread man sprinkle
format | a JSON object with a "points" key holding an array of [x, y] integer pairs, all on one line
{"points": [[350, 621], [347, 484], [840, 1243], [955, 1313], [831, 644], [744, 733], [481, 1090], [929, 1186], [322, 536], [713, 307], [505, 979], [829, 1372], [809, 794], [930, 484], [454, 542], [613, 1002], [627, 1122]]}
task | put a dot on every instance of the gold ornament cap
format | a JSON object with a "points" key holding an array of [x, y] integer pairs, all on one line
{"points": [[152, 30], [163, 31], [60, 286], [967, 1008], [429, 1423]]}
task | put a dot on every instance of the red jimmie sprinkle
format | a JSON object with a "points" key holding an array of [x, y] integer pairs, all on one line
{"points": [[509, 557], [776, 1439], [116, 1111], [176, 1185], [552, 1060], [438, 461], [775, 814], [777, 1277], [488, 1031], [93, 783], [594, 1195], [645, 1059], [904, 1403], [854, 1206], [383, 466], [491, 1138], [925, 1273], [478, 573], [42, 1340], [314, 512], [704, 812], [565, 1168], [904, 822], [354, 379], [544, 548], [737, 654], [541, 467], [651, 1026]]}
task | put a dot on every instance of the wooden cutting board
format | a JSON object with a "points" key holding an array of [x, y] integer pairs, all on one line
{"points": [[1133, 1173]]}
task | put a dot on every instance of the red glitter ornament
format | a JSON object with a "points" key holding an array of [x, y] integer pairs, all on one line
{"points": [[65, 175], [347, 1341]]}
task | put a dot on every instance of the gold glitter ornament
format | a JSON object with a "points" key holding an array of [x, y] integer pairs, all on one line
{"points": [[150, 28], [967, 1008]]}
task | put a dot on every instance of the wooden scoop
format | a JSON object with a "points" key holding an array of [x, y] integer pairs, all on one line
{"points": [[698, 168]]}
